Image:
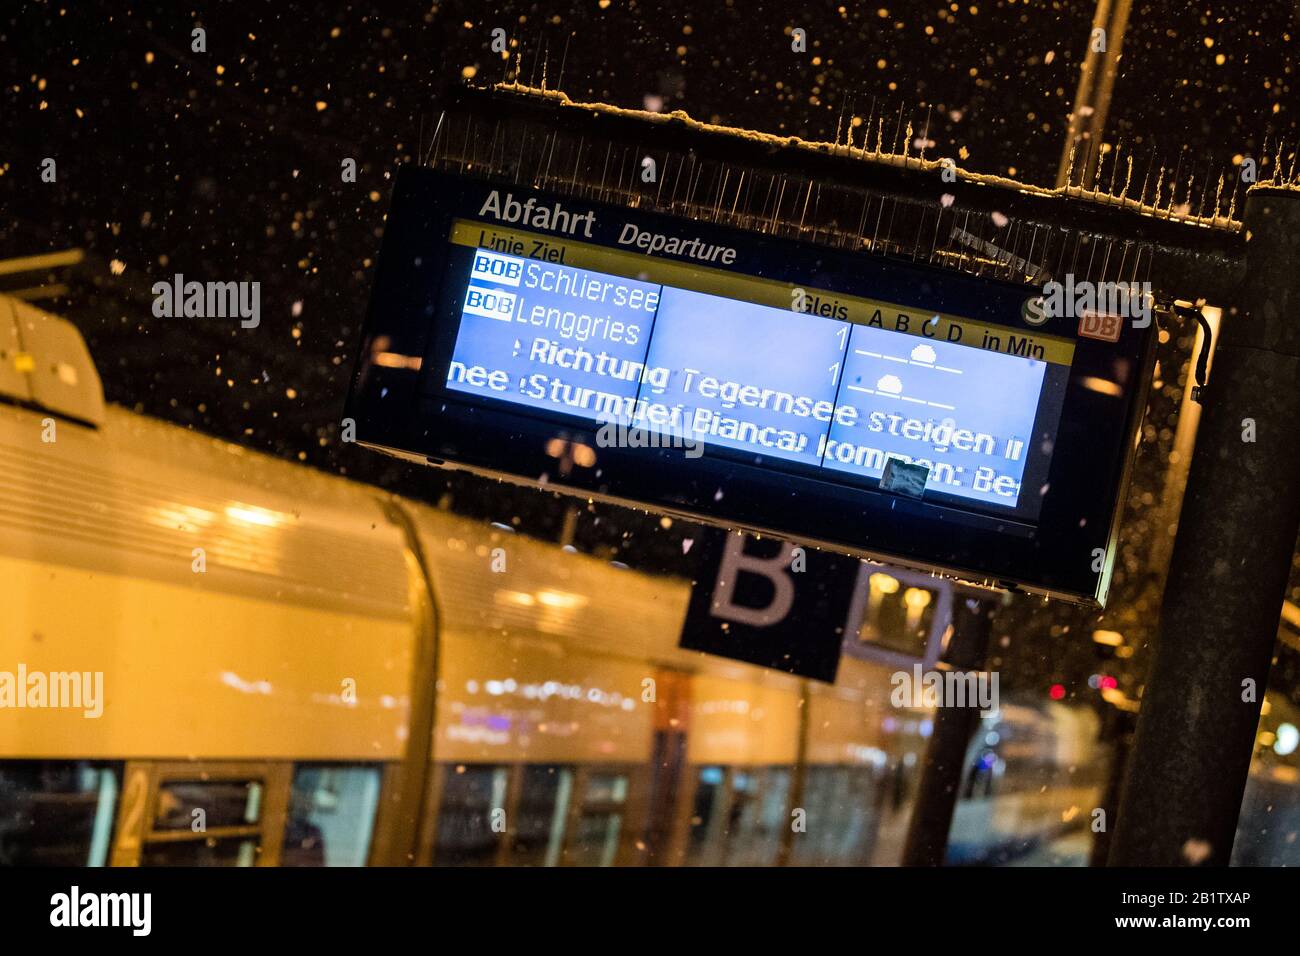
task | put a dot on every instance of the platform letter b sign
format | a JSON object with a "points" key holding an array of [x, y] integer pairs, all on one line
{"points": [[769, 602], [736, 561]]}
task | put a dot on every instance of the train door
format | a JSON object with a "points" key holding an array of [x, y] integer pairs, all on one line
{"points": [[463, 828], [599, 828], [736, 816], [534, 815], [542, 809], [668, 762]]}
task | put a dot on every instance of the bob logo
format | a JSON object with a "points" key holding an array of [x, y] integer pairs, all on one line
{"points": [[1101, 326]]}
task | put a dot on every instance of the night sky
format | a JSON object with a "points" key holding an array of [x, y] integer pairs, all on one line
{"points": [[225, 165]]}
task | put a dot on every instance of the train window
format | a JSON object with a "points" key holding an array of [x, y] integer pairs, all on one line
{"points": [[540, 820], [838, 801], [470, 794], [57, 812], [606, 788], [706, 811], [739, 816], [205, 822], [596, 839], [808, 848], [862, 819], [758, 817], [744, 790], [197, 805], [600, 820], [980, 776], [229, 851], [1268, 829], [331, 815]]}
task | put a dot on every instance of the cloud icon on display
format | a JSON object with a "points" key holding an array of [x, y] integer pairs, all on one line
{"points": [[924, 353], [890, 384]]}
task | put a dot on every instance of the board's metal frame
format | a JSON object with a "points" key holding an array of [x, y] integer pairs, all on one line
{"points": [[399, 408]]}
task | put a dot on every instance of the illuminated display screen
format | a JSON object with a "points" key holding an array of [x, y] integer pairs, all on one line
{"points": [[775, 383], [852, 401]]}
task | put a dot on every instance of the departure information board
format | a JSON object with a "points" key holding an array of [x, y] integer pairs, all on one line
{"points": [[820, 391], [873, 406]]}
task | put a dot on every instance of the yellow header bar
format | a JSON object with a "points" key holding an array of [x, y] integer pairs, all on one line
{"points": [[746, 288]]}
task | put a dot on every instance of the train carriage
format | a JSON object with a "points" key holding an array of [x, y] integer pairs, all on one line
{"points": [[268, 637]]}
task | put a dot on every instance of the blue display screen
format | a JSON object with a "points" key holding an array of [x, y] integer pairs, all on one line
{"points": [[779, 384]]}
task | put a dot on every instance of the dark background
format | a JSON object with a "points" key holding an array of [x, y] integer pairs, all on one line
{"points": [[226, 165]]}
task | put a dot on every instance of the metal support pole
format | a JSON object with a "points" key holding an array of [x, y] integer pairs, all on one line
{"points": [[1092, 98], [1117, 732], [402, 842], [1228, 574], [945, 755]]}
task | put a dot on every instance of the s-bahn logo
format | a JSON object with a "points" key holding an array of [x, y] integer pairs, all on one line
{"points": [[1034, 311]]}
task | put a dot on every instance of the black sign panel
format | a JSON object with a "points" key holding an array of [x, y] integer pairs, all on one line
{"points": [[874, 407], [770, 603], [794, 609]]}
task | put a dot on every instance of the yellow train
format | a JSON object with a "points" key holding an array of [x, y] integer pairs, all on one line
{"points": [[265, 640]]}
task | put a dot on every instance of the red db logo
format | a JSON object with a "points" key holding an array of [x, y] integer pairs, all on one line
{"points": [[1099, 325]]}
